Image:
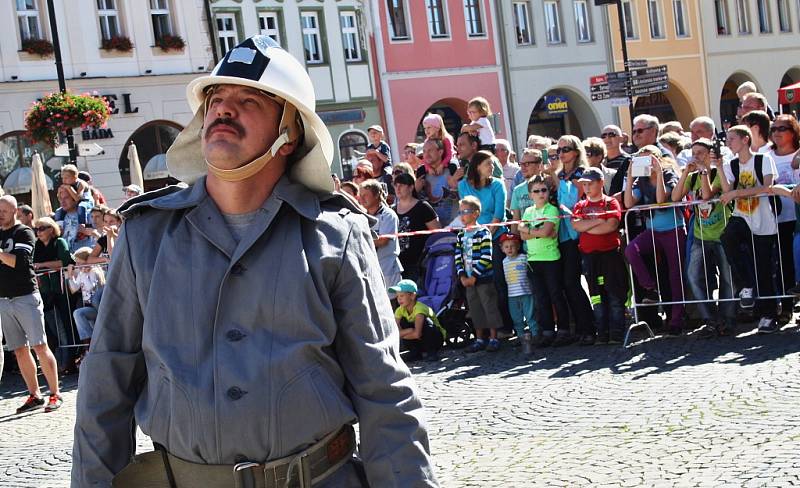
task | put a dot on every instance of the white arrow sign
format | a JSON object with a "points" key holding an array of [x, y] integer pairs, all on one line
{"points": [[89, 149], [61, 150]]}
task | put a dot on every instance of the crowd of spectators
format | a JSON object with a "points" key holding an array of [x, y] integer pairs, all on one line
{"points": [[716, 224]]}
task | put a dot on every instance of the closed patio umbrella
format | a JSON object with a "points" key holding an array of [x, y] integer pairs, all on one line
{"points": [[135, 166], [40, 198]]}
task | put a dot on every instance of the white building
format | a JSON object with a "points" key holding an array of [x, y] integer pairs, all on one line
{"points": [[328, 35], [146, 85], [755, 40], [552, 49]]}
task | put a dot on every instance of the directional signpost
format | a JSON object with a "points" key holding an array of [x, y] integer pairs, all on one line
{"points": [[621, 86], [598, 87]]}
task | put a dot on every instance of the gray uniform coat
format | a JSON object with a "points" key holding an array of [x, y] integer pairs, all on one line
{"points": [[224, 352]]}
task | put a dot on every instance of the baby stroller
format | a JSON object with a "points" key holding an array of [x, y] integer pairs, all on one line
{"points": [[440, 289]]}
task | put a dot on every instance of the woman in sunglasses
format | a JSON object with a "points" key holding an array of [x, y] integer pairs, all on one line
{"points": [[785, 137], [572, 157], [596, 155], [51, 253], [665, 234]]}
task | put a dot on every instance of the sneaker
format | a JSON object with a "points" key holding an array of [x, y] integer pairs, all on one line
{"points": [[504, 334], [767, 325], [785, 317], [563, 340], [651, 296], [547, 340], [476, 346], [493, 345], [725, 330], [707, 331], [602, 339], [746, 299], [587, 340], [54, 403], [795, 290], [32, 403]]}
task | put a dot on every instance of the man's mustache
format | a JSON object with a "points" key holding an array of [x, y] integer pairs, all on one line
{"points": [[229, 122]]}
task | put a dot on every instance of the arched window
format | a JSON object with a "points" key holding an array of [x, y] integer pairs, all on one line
{"points": [[152, 138], [17, 150]]}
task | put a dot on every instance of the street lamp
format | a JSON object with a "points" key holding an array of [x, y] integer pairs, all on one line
{"points": [[62, 85], [624, 42]]}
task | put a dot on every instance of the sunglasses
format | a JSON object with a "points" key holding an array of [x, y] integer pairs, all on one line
{"points": [[565, 149], [608, 135], [639, 131], [779, 128], [540, 190], [594, 152], [467, 211], [41, 229], [528, 163], [552, 157]]}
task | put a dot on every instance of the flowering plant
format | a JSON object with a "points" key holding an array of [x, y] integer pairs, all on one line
{"points": [[118, 43], [58, 112], [41, 47], [169, 42]]}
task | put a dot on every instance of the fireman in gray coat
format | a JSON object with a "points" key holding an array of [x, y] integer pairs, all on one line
{"points": [[244, 326]]}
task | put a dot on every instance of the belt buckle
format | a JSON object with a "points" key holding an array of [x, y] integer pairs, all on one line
{"points": [[300, 465], [238, 472]]}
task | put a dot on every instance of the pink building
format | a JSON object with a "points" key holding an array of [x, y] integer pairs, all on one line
{"points": [[433, 56]]}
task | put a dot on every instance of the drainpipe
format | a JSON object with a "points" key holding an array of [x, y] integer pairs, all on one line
{"points": [[703, 63], [376, 74], [210, 25], [504, 60]]}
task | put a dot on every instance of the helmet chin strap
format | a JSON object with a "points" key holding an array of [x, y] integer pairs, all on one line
{"points": [[289, 130]]}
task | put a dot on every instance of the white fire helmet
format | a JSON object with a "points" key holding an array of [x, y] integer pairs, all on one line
{"points": [[260, 63]]}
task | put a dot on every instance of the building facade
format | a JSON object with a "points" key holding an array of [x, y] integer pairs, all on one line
{"points": [[329, 37], [750, 40], [552, 49], [146, 85], [435, 55]]}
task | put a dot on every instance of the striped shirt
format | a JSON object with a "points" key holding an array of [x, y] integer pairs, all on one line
{"points": [[474, 253], [516, 271]]}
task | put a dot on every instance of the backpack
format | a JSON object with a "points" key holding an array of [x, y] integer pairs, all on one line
{"points": [[774, 202]]}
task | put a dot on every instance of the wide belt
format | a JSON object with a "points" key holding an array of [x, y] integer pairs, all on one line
{"points": [[160, 469]]}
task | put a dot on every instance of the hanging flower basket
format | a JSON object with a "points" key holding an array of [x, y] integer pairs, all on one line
{"points": [[117, 43], [170, 43], [57, 112], [40, 47]]}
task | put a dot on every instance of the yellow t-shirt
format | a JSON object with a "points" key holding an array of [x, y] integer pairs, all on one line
{"points": [[419, 309]]}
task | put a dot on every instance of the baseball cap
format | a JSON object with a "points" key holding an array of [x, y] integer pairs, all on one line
{"points": [[508, 236], [404, 286], [592, 174], [375, 128]]}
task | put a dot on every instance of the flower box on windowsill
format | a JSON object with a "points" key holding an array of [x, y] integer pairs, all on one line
{"points": [[169, 44], [26, 56], [113, 53]]}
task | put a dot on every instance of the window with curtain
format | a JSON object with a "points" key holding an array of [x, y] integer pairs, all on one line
{"points": [[522, 23], [582, 23], [269, 25], [312, 42], [109, 18], [681, 20], [160, 17], [398, 20], [764, 20], [721, 14], [785, 16], [437, 22], [743, 16], [28, 20], [656, 22], [552, 22], [350, 36], [629, 16], [473, 18]]}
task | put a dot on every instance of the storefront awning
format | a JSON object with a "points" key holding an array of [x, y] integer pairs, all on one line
{"points": [[19, 181]]}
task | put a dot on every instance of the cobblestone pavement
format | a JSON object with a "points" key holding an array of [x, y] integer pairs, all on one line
{"points": [[668, 412]]}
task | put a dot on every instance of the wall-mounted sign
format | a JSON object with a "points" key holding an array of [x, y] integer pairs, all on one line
{"points": [[556, 104], [352, 116], [95, 133], [127, 107]]}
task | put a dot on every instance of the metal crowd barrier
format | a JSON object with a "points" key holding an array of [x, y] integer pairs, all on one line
{"points": [[67, 337], [780, 281]]}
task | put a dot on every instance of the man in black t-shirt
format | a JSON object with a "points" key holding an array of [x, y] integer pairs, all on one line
{"points": [[21, 314]]}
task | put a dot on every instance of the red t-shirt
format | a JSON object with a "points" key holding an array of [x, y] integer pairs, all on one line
{"points": [[607, 208]]}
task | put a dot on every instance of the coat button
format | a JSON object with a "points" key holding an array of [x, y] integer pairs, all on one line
{"points": [[234, 335], [237, 269], [235, 393]]}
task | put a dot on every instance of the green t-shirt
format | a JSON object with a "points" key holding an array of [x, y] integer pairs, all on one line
{"points": [[714, 216], [542, 248], [419, 308]]}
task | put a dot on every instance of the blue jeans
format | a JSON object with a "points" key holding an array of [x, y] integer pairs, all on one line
{"points": [[609, 316], [796, 252], [522, 309], [708, 260], [84, 321]]}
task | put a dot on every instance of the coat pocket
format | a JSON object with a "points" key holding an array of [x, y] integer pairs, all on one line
{"points": [[168, 417], [307, 407]]}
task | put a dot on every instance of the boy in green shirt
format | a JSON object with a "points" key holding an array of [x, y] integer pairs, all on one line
{"points": [[420, 331]]}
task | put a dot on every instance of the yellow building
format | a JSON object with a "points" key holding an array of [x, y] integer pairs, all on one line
{"points": [[664, 32]]}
